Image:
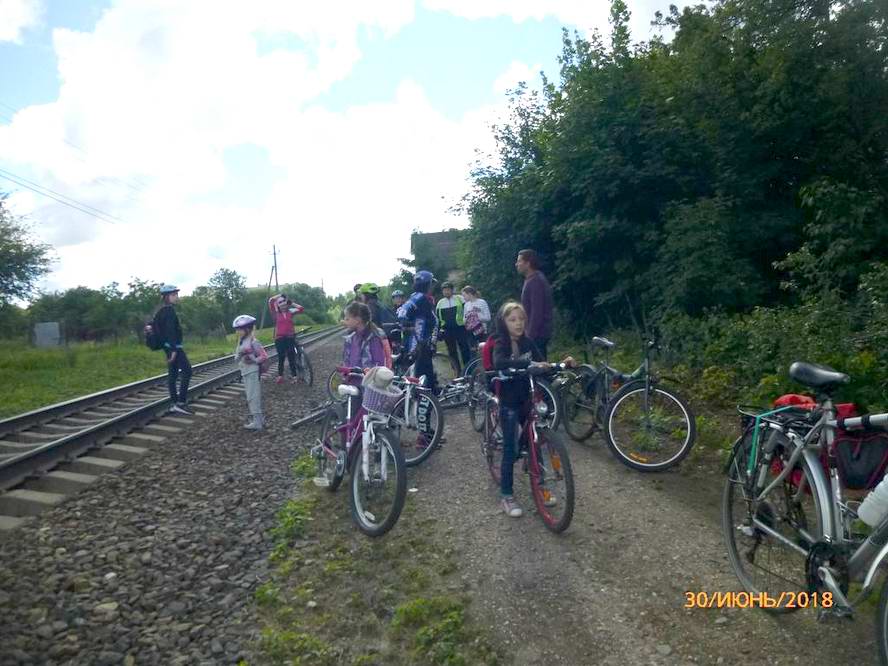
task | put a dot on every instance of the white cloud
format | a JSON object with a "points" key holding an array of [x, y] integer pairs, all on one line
{"points": [[16, 16], [155, 97], [515, 74]]}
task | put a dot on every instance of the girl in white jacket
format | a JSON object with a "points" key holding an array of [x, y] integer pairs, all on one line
{"points": [[250, 354]]}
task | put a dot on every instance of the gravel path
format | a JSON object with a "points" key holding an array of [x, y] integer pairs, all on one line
{"points": [[157, 564], [611, 589]]}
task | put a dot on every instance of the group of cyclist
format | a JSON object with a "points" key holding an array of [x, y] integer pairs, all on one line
{"points": [[462, 321]]}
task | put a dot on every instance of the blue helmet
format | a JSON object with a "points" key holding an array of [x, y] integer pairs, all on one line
{"points": [[422, 280]]}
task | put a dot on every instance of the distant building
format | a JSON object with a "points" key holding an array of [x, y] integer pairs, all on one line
{"points": [[437, 251]]}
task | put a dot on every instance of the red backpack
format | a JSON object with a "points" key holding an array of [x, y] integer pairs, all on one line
{"points": [[487, 354]]}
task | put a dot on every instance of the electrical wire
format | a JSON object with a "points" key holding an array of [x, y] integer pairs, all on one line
{"points": [[60, 198]]}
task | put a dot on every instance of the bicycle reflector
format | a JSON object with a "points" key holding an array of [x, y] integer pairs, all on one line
{"points": [[542, 409]]}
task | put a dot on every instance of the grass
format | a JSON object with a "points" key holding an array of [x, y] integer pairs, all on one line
{"points": [[338, 597], [34, 378]]}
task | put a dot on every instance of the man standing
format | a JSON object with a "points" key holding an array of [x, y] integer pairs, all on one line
{"points": [[170, 332], [453, 326], [536, 297], [417, 316]]}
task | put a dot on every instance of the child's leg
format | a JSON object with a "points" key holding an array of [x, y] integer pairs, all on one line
{"points": [[509, 421], [254, 397], [280, 345]]}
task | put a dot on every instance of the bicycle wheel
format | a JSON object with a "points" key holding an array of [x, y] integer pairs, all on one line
{"points": [[649, 430], [584, 406], [333, 382], [377, 499], [882, 624], [492, 443], [477, 397], [761, 560], [544, 392], [445, 370], [551, 481], [330, 466], [470, 368], [418, 431], [304, 371]]}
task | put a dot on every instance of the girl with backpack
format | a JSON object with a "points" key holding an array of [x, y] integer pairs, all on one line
{"points": [[513, 349], [165, 333], [251, 359], [283, 310]]}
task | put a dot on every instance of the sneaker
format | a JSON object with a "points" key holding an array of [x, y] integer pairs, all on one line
{"points": [[548, 498], [511, 508], [279, 380], [180, 408]]}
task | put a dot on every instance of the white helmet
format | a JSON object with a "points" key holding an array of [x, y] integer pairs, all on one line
{"points": [[169, 289], [243, 320]]}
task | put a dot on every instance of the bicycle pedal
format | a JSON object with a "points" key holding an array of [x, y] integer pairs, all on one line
{"points": [[321, 482]]}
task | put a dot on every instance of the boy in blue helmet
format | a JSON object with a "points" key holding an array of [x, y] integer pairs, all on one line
{"points": [[417, 315]]}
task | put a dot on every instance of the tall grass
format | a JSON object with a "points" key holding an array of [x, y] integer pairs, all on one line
{"points": [[33, 378]]}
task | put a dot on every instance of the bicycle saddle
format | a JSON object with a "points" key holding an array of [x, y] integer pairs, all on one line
{"points": [[602, 342], [816, 375]]}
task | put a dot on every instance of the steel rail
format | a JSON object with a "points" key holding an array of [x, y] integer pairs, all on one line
{"points": [[21, 466]]}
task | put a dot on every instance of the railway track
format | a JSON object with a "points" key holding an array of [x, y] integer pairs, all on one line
{"points": [[50, 453]]}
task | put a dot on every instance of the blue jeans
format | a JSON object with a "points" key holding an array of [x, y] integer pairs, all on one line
{"points": [[512, 418]]}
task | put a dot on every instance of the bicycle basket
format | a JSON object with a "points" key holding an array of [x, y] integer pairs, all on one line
{"points": [[380, 401]]}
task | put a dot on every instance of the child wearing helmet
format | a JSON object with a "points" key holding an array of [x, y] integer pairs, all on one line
{"points": [[417, 317], [166, 325], [249, 355]]}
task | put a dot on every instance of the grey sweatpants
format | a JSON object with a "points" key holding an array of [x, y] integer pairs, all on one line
{"points": [[254, 393]]}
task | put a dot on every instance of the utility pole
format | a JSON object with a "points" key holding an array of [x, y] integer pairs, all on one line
{"points": [[274, 252]]}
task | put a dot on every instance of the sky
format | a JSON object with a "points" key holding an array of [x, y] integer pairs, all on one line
{"points": [[198, 135]]}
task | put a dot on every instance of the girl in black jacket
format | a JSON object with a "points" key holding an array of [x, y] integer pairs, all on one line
{"points": [[177, 362], [513, 349]]}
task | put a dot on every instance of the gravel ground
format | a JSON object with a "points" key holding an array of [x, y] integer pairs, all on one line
{"points": [[158, 564], [611, 589]]}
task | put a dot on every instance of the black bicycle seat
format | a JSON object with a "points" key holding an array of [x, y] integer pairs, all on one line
{"points": [[816, 375]]}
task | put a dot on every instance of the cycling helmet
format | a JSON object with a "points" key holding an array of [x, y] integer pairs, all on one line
{"points": [[447, 285], [169, 289], [397, 292], [369, 289], [422, 279], [243, 320]]}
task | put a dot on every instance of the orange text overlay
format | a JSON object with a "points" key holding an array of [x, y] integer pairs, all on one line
{"points": [[758, 600]]}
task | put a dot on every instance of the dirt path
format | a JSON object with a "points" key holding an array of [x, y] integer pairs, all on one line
{"points": [[611, 589]]}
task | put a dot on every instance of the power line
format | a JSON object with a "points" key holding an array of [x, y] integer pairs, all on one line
{"points": [[134, 188], [60, 198]]}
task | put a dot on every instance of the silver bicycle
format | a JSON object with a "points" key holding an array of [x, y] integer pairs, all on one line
{"points": [[790, 529]]}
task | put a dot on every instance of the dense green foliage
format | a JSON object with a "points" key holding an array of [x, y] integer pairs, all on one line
{"points": [[730, 186]]}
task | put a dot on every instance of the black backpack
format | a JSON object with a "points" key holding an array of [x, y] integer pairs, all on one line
{"points": [[153, 339]]}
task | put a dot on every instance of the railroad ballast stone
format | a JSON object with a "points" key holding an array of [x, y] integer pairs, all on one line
{"points": [[157, 563]]}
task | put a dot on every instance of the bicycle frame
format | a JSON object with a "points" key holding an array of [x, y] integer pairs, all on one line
{"points": [[410, 385], [836, 515]]}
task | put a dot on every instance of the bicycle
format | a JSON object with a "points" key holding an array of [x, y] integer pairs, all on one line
{"points": [[417, 420], [544, 454], [362, 444], [586, 391], [647, 427], [304, 370], [478, 391], [787, 526]]}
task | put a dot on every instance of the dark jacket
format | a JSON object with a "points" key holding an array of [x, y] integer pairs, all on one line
{"points": [[514, 390], [536, 297], [167, 326]]}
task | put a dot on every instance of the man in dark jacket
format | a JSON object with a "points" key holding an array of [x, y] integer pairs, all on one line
{"points": [[536, 297], [170, 332]]}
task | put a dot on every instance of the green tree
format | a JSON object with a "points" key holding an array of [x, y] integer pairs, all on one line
{"points": [[23, 261], [228, 288]]}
